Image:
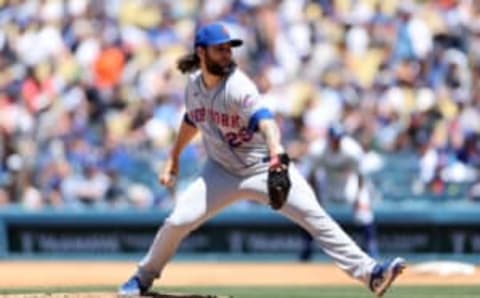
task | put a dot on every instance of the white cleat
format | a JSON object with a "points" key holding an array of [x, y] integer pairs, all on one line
{"points": [[132, 288]]}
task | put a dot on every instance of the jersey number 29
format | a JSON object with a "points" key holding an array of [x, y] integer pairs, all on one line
{"points": [[236, 139]]}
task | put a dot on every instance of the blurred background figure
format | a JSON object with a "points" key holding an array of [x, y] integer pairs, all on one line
{"points": [[338, 168]]}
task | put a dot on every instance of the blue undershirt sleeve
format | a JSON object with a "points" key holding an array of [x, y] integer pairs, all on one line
{"points": [[262, 113]]}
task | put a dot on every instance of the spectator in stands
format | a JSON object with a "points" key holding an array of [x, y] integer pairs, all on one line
{"points": [[51, 183], [31, 197], [4, 200]]}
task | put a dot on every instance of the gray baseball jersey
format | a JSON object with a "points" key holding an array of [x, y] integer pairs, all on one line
{"points": [[224, 116], [341, 167], [342, 170]]}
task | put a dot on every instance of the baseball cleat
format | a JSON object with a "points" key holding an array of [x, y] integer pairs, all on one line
{"points": [[384, 274], [132, 287]]}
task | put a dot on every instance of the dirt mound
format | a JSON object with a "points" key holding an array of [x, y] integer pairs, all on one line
{"points": [[45, 275], [106, 295]]}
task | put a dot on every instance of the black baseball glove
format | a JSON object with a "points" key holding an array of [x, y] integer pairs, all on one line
{"points": [[278, 181]]}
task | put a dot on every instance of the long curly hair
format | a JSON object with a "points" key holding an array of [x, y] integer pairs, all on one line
{"points": [[188, 63]]}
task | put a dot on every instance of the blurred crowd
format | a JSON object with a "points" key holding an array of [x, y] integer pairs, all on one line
{"points": [[90, 98]]}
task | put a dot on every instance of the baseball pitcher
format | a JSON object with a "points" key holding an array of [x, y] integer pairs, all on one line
{"points": [[245, 160]]}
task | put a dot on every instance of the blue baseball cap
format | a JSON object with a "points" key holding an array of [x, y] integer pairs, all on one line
{"points": [[215, 34], [336, 131]]}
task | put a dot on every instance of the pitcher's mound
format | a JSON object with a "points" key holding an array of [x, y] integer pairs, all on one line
{"points": [[108, 295]]}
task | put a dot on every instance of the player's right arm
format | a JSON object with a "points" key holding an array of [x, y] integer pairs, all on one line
{"points": [[187, 132]]}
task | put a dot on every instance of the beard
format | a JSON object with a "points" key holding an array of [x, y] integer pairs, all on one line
{"points": [[218, 69]]}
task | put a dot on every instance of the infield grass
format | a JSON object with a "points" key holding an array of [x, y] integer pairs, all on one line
{"points": [[285, 292], [335, 292]]}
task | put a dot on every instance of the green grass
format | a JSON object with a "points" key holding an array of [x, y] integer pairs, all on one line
{"points": [[290, 292], [334, 292]]}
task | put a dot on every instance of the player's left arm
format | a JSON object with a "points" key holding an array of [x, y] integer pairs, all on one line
{"points": [[278, 180], [260, 119], [271, 133]]}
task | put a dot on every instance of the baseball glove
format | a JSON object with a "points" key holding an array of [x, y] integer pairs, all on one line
{"points": [[278, 182]]}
